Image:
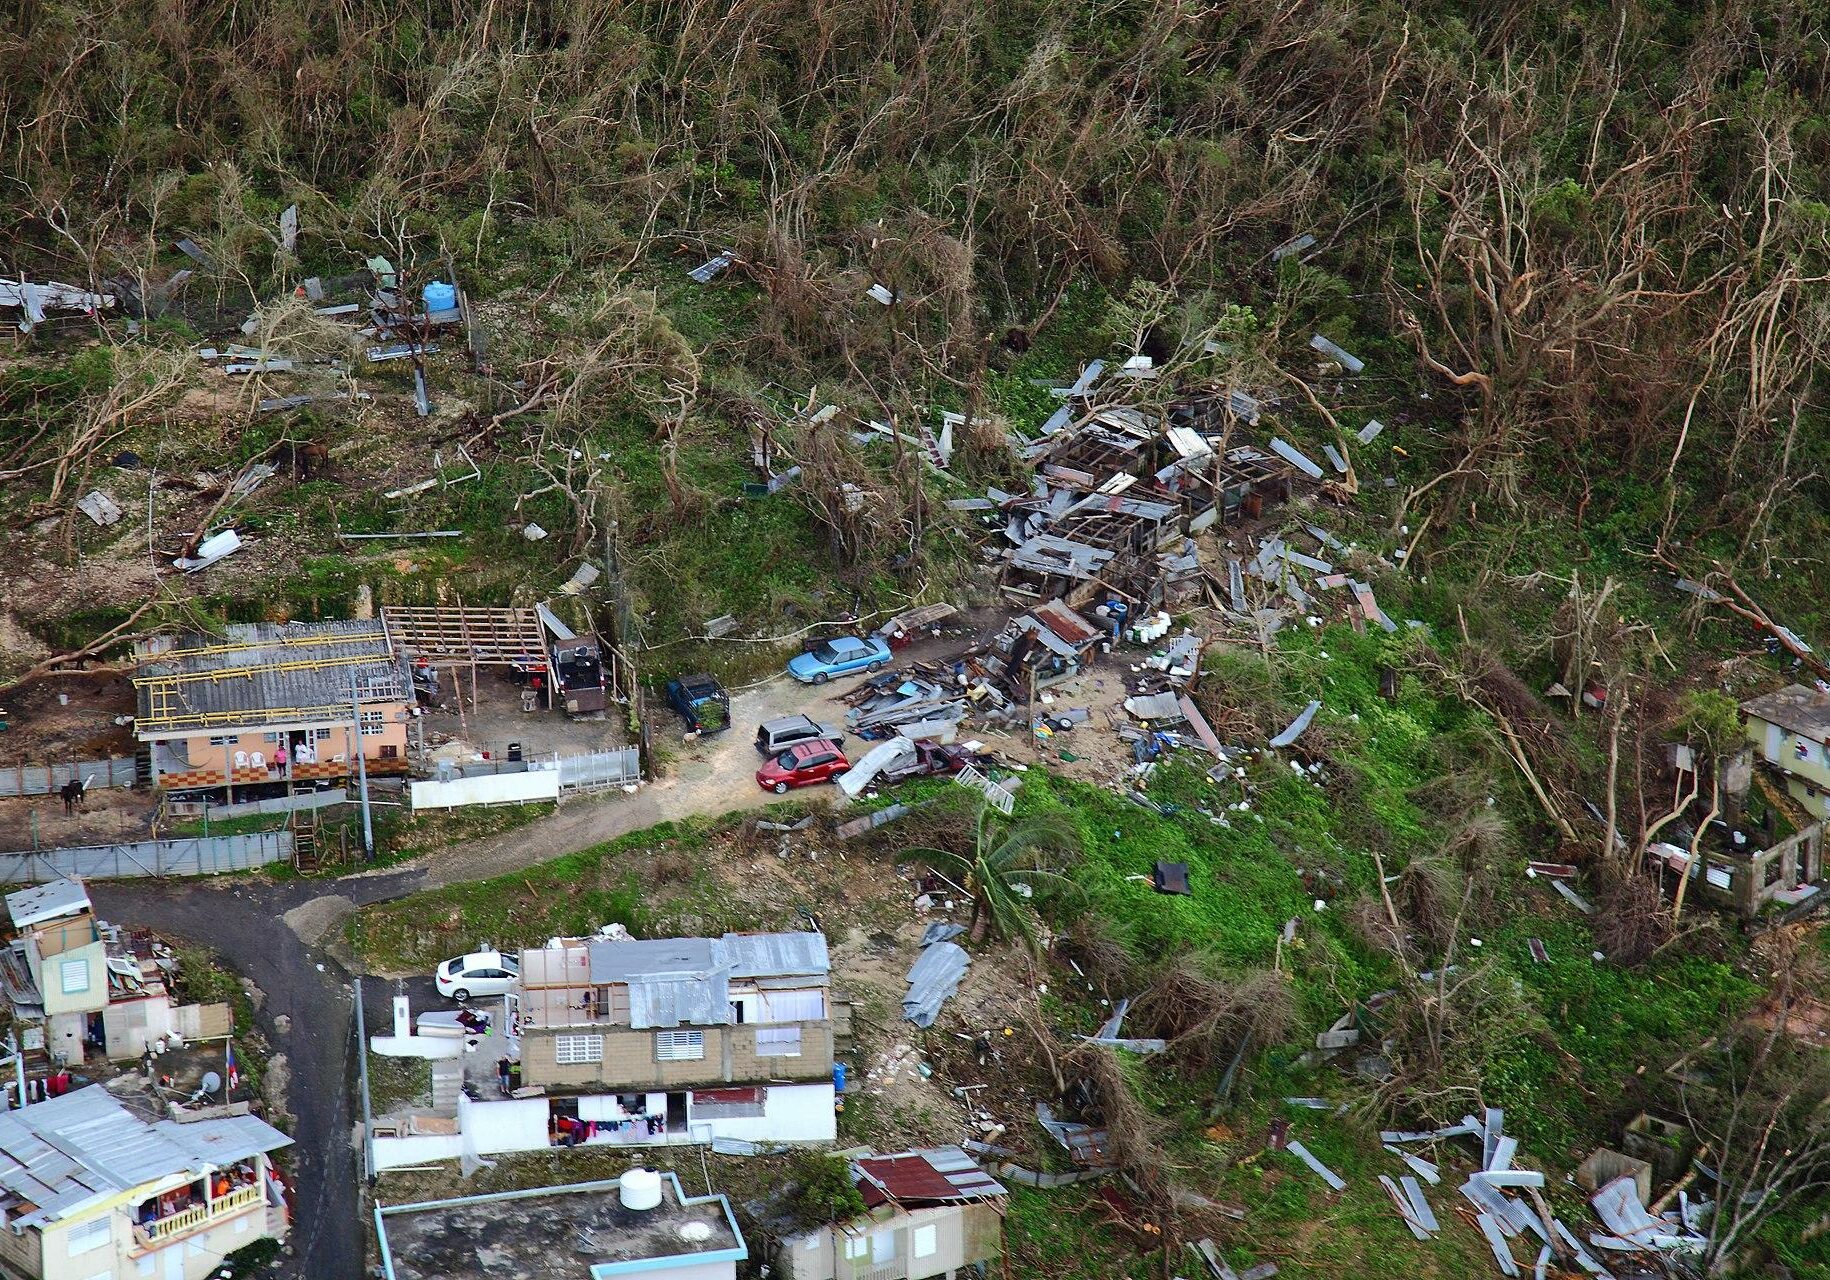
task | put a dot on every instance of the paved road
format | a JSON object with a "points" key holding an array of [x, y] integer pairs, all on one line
{"points": [[275, 934]]}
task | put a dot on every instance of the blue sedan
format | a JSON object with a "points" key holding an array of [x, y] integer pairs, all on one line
{"points": [[840, 656]]}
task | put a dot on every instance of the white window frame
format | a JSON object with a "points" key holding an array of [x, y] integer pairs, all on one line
{"points": [[74, 967], [226, 740], [855, 1246], [374, 723], [320, 735], [778, 1042], [577, 1051], [924, 1241], [883, 1248], [88, 1236], [793, 1006], [679, 1046]]}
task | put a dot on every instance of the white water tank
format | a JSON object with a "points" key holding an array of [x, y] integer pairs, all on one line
{"points": [[639, 1189]]}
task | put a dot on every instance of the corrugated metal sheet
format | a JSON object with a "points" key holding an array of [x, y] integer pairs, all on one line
{"points": [[675, 982], [934, 977], [46, 902], [932, 1175], [756, 955], [256, 672], [64, 1153]]}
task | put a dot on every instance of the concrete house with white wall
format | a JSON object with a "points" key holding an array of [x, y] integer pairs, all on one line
{"points": [[931, 1212], [90, 1191], [625, 1042], [731, 1036]]}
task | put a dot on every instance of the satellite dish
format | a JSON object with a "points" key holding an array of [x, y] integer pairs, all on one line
{"points": [[211, 1082]]}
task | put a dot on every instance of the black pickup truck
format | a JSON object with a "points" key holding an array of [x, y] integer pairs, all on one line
{"points": [[701, 702]]}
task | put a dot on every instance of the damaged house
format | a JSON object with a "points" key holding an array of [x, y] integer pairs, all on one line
{"points": [[1117, 499], [83, 988], [213, 711], [1790, 730], [930, 1213]]}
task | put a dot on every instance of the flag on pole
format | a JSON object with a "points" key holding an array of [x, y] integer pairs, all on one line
{"points": [[230, 1069]]}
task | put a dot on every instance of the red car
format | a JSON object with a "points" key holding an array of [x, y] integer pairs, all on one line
{"points": [[802, 765]]}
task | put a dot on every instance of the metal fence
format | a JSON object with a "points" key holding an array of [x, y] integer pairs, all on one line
{"points": [[198, 856], [43, 780], [600, 770]]}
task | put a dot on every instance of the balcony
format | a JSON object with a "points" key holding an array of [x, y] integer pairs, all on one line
{"points": [[150, 1235]]}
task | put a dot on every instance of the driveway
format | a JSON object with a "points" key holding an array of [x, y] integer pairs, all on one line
{"points": [[278, 936]]}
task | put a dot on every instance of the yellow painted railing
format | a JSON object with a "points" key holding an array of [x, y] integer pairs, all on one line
{"points": [[176, 1224]]}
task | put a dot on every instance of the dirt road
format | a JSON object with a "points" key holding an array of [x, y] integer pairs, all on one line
{"points": [[282, 937]]}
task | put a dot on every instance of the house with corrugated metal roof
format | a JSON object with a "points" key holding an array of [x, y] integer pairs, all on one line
{"points": [[91, 1191], [80, 987], [267, 703], [728, 1037], [932, 1212]]}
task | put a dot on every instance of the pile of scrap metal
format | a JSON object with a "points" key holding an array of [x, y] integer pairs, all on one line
{"points": [[1118, 492], [990, 682], [918, 701], [1052, 640], [1295, 582]]}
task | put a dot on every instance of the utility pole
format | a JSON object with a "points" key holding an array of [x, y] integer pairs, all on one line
{"points": [[18, 1058], [362, 771]]}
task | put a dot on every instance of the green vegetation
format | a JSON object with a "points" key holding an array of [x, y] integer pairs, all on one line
{"points": [[1580, 249], [823, 1189], [649, 881]]}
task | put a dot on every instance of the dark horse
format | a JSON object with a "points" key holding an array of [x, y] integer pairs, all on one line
{"points": [[72, 792]]}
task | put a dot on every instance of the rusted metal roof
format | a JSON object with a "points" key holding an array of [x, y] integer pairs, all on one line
{"points": [[1065, 623], [934, 1175]]}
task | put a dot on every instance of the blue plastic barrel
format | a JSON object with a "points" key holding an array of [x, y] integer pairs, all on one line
{"points": [[838, 1077], [440, 296]]}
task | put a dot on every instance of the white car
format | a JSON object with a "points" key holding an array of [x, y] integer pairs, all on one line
{"points": [[481, 973]]}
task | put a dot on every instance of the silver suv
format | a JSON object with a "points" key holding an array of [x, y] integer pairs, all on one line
{"points": [[776, 736]]}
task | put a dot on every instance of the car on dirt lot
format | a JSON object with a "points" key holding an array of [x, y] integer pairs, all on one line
{"points": [[701, 701], [839, 656], [775, 736], [481, 973], [803, 766]]}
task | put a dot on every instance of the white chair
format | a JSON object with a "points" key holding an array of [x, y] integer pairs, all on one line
{"points": [[256, 760]]}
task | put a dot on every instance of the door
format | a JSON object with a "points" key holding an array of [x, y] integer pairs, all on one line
{"points": [[883, 1247], [1775, 742]]}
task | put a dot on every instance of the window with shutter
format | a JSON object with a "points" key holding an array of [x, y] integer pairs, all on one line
{"points": [[679, 1046]]}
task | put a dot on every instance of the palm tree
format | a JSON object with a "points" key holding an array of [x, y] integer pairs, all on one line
{"points": [[1006, 869]]}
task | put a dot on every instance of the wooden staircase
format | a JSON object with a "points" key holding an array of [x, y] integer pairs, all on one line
{"points": [[310, 847]]}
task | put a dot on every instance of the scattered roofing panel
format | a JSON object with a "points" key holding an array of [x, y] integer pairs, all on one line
{"points": [[711, 268], [1296, 726], [936, 1175], [934, 976], [1295, 457], [1290, 248], [1338, 354], [49, 901], [1065, 623]]}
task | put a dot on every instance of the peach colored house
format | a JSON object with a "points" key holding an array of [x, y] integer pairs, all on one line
{"points": [[215, 710]]}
